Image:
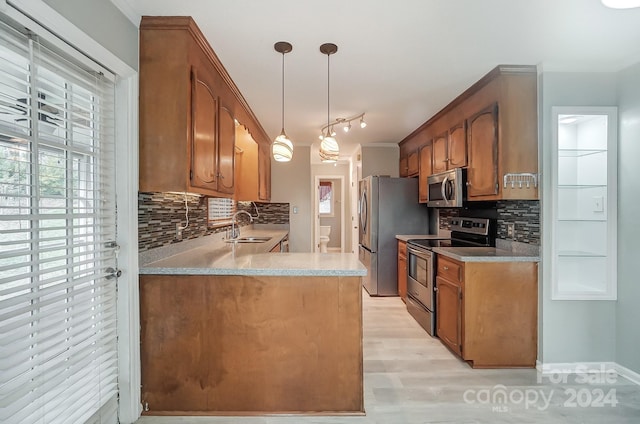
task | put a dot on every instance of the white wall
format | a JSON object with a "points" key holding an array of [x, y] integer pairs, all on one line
{"points": [[380, 160], [571, 331], [628, 312], [103, 22], [291, 183]]}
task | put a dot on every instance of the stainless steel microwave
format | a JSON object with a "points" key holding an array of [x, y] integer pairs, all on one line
{"points": [[447, 189]]}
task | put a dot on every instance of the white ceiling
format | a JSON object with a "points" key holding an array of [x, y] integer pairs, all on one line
{"points": [[398, 61]]}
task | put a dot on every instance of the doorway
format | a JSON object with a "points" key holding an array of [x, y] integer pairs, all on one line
{"points": [[329, 205]]}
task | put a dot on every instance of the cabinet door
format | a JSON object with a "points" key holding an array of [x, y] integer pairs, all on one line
{"points": [[449, 314], [264, 172], [457, 146], [204, 143], [425, 171], [482, 141], [402, 270], [413, 164], [440, 159], [404, 167], [226, 150]]}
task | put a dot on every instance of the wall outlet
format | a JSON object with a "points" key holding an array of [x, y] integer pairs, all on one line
{"points": [[178, 231], [511, 230]]}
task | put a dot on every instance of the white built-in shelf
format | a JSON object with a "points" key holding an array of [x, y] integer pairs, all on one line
{"points": [[583, 226]]}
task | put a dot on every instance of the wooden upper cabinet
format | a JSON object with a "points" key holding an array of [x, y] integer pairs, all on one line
{"points": [[264, 173], [457, 146], [188, 108], [491, 129], [204, 144], [440, 158], [413, 164], [226, 150], [403, 170], [426, 153], [252, 168], [482, 141]]}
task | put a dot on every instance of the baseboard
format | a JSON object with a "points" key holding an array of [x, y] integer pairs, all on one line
{"points": [[594, 368], [334, 249], [630, 375]]}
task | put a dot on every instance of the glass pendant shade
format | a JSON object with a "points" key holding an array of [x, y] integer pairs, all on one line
{"points": [[282, 148], [329, 150]]}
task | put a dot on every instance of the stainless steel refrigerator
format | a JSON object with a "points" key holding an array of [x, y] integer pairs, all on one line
{"points": [[387, 207]]}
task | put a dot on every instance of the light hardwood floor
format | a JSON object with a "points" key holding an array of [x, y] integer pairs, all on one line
{"points": [[411, 378]]}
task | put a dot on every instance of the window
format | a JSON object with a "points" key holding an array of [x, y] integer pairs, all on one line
{"points": [[57, 236], [220, 211], [325, 196]]}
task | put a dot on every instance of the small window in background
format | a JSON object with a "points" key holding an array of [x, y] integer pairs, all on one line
{"points": [[325, 196], [220, 211]]}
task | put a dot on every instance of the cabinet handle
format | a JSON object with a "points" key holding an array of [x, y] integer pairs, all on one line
{"points": [[446, 268], [468, 184]]}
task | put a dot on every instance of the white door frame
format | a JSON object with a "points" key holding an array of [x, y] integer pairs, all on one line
{"points": [[356, 172], [315, 236]]}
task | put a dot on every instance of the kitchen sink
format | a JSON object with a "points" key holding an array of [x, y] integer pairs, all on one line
{"points": [[249, 240]]}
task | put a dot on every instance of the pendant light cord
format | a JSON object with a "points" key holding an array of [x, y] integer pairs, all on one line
{"points": [[328, 92], [282, 91]]}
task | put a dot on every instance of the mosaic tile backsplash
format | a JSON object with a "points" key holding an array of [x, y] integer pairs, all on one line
{"points": [[159, 213], [524, 214]]}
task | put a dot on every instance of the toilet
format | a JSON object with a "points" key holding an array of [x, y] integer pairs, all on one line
{"points": [[325, 230]]}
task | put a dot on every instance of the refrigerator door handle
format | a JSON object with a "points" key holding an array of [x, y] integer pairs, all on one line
{"points": [[363, 211]]}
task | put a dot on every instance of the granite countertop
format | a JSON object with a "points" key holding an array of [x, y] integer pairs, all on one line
{"points": [[485, 254], [220, 258]]}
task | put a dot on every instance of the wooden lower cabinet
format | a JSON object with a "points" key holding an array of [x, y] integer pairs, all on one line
{"points": [[449, 310], [487, 312], [227, 345], [402, 270]]}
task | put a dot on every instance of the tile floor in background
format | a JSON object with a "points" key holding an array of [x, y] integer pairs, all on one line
{"points": [[411, 378]]}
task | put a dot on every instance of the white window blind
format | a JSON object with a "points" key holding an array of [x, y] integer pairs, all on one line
{"points": [[221, 210], [58, 361]]}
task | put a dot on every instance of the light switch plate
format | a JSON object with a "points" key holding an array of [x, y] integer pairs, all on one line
{"points": [[295, 209], [598, 203]]}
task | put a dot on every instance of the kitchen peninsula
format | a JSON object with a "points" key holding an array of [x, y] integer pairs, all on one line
{"points": [[227, 329]]}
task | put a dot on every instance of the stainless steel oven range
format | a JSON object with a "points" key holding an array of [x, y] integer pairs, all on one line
{"points": [[421, 289]]}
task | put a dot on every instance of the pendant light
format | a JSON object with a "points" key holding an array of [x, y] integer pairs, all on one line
{"points": [[282, 148], [329, 149], [621, 4]]}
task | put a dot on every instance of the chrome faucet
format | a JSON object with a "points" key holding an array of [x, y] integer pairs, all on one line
{"points": [[235, 232]]}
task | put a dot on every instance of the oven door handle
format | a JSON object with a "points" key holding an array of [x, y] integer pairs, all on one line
{"points": [[420, 253]]}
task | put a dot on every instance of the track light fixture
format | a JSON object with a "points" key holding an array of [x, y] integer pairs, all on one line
{"points": [[346, 122]]}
